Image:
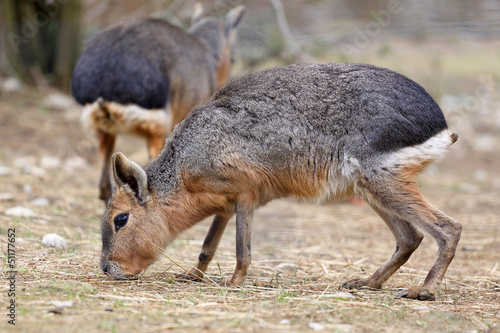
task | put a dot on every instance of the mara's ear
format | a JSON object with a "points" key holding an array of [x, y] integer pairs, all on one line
{"points": [[130, 176], [197, 12], [234, 18]]}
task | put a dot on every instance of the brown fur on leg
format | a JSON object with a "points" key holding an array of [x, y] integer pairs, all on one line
{"points": [[407, 241], [403, 202], [210, 245], [244, 215], [106, 145]]}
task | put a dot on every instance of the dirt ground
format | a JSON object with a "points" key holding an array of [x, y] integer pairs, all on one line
{"points": [[301, 251]]}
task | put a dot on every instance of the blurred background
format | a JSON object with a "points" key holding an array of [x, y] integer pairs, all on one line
{"points": [[451, 47]]}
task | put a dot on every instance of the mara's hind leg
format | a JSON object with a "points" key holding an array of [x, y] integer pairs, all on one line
{"points": [[407, 240], [397, 195], [106, 145]]}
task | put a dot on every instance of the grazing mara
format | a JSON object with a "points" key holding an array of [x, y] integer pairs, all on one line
{"points": [[312, 131]]}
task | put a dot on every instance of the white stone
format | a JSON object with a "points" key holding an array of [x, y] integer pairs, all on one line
{"points": [[340, 296], [6, 196], [34, 170], [59, 101], [61, 304], [27, 188], [4, 171], [50, 162], [316, 326], [40, 202], [76, 162], [53, 240], [11, 84], [285, 322], [20, 211], [421, 308]]}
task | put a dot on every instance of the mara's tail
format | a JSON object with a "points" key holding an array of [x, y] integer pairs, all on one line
{"points": [[116, 118], [432, 150]]}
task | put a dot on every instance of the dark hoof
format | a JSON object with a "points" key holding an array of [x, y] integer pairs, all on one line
{"points": [[229, 284], [420, 294], [354, 284], [358, 284], [188, 277]]}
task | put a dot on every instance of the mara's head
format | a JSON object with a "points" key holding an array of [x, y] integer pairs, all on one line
{"points": [[132, 225], [220, 36]]}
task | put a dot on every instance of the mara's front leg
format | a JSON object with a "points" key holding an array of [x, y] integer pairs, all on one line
{"points": [[106, 145], [209, 247], [244, 216]]}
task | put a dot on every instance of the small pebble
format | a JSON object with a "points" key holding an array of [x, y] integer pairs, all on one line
{"points": [[6, 196], [316, 326], [53, 240], [11, 84], [76, 162], [27, 188], [4, 171], [20, 211], [340, 295], [61, 304], [58, 101], [421, 308], [40, 202], [50, 162], [35, 171]]}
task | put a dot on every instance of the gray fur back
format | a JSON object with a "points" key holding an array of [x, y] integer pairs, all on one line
{"points": [[302, 117]]}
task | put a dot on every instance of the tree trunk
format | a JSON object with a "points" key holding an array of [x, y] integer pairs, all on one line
{"points": [[41, 39], [68, 44]]}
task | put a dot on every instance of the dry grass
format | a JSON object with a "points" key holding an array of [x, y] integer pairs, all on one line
{"points": [[302, 252]]}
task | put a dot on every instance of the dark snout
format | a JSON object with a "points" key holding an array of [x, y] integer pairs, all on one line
{"points": [[114, 269]]}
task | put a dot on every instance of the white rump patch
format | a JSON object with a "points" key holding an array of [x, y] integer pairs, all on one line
{"points": [[431, 150], [117, 118], [342, 178]]}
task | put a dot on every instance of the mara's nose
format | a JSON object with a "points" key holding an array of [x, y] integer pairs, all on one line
{"points": [[105, 267]]}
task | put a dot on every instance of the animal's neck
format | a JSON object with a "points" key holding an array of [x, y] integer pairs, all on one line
{"points": [[185, 209], [181, 206]]}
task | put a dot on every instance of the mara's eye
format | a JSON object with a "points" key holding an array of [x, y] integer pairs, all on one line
{"points": [[120, 221]]}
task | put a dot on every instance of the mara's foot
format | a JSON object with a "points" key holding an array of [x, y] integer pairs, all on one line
{"points": [[418, 293], [190, 276], [359, 283]]}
